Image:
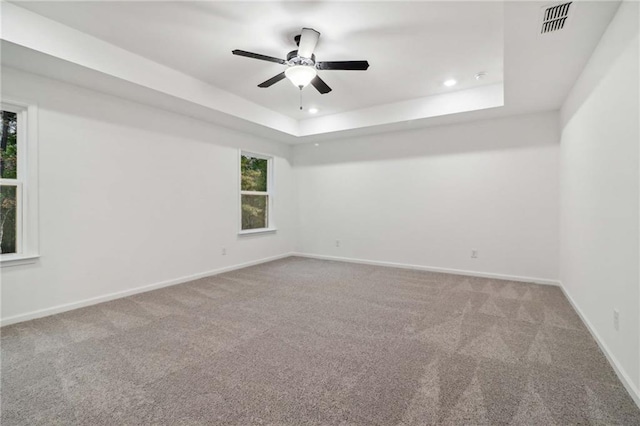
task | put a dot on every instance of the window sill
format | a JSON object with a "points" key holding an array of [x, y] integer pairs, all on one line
{"points": [[257, 231], [18, 259]]}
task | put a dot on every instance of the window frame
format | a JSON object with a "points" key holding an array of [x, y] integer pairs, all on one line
{"points": [[26, 182], [269, 193]]}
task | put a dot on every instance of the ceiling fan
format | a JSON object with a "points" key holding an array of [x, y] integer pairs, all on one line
{"points": [[302, 67]]}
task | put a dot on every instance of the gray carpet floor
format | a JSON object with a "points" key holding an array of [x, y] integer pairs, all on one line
{"points": [[301, 341]]}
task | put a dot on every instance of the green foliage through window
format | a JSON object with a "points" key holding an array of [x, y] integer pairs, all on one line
{"points": [[8, 218], [254, 178], [9, 146], [254, 211], [254, 173], [8, 193]]}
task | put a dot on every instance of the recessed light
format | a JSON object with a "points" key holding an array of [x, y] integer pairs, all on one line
{"points": [[316, 144], [450, 82], [480, 75], [313, 110]]}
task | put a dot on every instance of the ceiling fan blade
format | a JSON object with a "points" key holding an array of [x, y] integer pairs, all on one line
{"points": [[258, 56], [320, 85], [308, 40], [343, 65], [272, 80]]}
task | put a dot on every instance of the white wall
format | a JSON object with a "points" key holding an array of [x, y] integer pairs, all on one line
{"points": [[132, 196], [600, 192], [428, 197]]}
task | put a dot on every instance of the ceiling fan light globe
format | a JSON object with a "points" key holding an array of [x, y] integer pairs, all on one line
{"points": [[300, 75]]}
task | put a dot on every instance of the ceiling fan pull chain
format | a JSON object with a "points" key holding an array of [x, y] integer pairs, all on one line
{"points": [[300, 98]]}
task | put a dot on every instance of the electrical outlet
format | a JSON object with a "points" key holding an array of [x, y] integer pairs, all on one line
{"points": [[337, 243], [616, 320], [474, 254], [224, 251]]}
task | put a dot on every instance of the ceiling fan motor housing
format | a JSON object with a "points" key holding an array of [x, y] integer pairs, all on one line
{"points": [[294, 59]]}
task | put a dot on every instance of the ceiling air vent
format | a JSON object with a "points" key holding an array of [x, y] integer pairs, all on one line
{"points": [[555, 17]]}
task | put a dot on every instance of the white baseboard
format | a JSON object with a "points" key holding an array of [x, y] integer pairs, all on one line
{"points": [[622, 375], [117, 295], [433, 269]]}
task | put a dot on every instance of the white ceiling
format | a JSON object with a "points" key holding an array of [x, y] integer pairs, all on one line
{"points": [[412, 47], [177, 55]]}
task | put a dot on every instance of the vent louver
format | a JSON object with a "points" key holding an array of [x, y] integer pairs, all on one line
{"points": [[555, 17]]}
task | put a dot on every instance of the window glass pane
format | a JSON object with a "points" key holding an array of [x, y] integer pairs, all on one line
{"points": [[8, 216], [254, 211], [8, 145], [254, 173]]}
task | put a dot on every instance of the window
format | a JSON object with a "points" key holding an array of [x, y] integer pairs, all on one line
{"points": [[18, 199], [11, 187], [256, 193]]}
